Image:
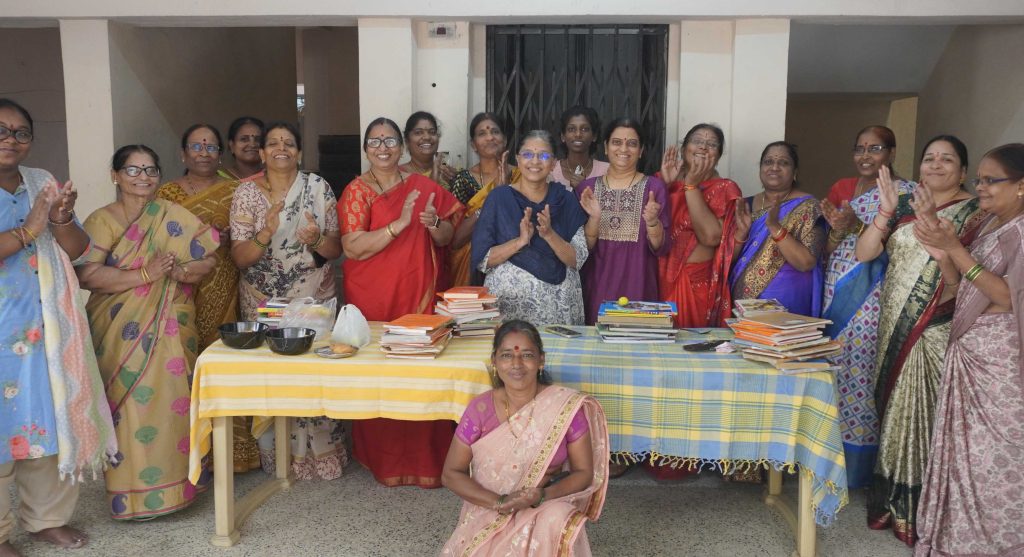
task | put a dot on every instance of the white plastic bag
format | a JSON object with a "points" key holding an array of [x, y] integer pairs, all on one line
{"points": [[351, 327], [307, 312]]}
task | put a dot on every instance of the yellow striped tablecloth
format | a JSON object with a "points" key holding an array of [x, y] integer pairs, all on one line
{"points": [[229, 382]]}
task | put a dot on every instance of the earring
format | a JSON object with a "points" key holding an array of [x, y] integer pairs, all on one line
{"points": [[115, 183]]}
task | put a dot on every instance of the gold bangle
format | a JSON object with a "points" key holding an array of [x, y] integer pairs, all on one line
{"points": [[144, 275], [319, 242], [390, 232], [16, 232], [29, 232], [973, 272], [71, 218]]}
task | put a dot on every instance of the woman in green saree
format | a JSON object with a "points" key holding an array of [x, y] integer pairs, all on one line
{"points": [[147, 256]]}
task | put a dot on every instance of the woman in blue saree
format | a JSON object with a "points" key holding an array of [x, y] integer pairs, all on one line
{"points": [[779, 238]]}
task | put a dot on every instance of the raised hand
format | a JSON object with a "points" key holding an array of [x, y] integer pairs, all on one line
{"points": [[743, 220], [428, 216], [444, 171], [923, 203], [772, 221], [590, 203], [842, 218], [526, 228], [273, 219], [407, 206], [544, 229], [160, 265], [61, 209], [889, 196], [937, 236], [503, 174], [43, 204], [671, 166], [700, 169], [310, 233], [652, 210]]}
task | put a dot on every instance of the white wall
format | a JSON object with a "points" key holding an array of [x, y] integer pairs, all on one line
{"points": [[386, 70], [977, 90], [442, 84], [34, 78]]}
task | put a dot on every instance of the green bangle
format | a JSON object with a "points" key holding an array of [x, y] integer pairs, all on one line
{"points": [[543, 494], [260, 244], [501, 500], [973, 272]]}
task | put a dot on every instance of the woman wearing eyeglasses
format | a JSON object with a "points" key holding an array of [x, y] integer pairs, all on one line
{"points": [[626, 226], [913, 324], [148, 257], [971, 503], [695, 272], [244, 135], [284, 230], [851, 296], [472, 186], [580, 129], [530, 241], [393, 227], [55, 423], [207, 195], [779, 238]]}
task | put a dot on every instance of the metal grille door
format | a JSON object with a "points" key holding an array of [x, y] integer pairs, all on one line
{"points": [[534, 72]]}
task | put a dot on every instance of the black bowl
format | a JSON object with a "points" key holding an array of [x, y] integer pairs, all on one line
{"points": [[243, 334], [291, 341]]}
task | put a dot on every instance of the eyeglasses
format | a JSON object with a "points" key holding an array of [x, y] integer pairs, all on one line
{"points": [[375, 142], [543, 156], [781, 163], [708, 144], [987, 181], [21, 136], [619, 142], [199, 147], [134, 171], [423, 131], [872, 149]]}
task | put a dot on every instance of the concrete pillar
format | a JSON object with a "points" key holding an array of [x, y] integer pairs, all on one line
{"points": [[386, 70], [85, 49], [442, 84], [760, 82]]}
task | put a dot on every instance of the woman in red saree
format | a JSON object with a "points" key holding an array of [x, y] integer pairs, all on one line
{"points": [[392, 228], [695, 272], [532, 477]]}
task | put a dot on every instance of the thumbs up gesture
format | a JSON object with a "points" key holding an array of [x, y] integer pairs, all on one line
{"points": [[652, 210], [428, 216], [310, 233]]}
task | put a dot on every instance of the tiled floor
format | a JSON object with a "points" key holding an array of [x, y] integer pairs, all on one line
{"points": [[355, 516]]}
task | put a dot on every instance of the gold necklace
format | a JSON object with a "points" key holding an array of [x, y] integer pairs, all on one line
{"points": [[381, 186], [482, 180], [630, 183], [764, 195], [529, 421], [419, 169]]}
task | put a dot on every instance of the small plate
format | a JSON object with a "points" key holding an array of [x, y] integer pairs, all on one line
{"points": [[326, 352]]}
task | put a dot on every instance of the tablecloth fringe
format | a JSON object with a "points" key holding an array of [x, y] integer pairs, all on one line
{"points": [[726, 466]]}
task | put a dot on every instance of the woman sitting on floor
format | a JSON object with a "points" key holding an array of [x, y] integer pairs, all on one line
{"points": [[524, 495]]}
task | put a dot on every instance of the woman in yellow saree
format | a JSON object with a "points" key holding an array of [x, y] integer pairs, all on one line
{"points": [[147, 256], [532, 477]]}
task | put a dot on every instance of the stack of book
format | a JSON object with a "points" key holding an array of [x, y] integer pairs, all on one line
{"points": [[785, 340], [473, 308], [272, 311], [636, 322], [416, 336], [753, 306]]}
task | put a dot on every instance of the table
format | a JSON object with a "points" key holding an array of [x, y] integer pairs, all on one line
{"points": [[272, 387], [716, 411]]}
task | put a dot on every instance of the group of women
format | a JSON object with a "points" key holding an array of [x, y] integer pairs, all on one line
{"points": [[902, 269]]}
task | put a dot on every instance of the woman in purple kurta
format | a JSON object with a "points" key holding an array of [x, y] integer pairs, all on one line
{"points": [[626, 228]]}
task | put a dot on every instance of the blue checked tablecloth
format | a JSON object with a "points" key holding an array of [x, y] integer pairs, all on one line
{"points": [[707, 409]]}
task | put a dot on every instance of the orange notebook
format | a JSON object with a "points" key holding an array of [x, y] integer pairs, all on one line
{"points": [[465, 293], [419, 321]]}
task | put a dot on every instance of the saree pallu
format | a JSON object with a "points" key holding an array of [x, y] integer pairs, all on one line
{"points": [[146, 344], [504, 462], [762, 272], [700, 289], [216, 298], [400, 279], [972, 503], [913, 331], [852, 291]]}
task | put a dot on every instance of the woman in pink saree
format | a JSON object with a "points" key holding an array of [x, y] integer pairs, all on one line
{"points": [[971, 503], [530, 459]]}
